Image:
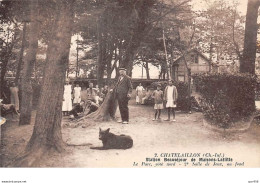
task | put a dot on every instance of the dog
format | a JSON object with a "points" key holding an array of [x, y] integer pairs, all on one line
{"points": [[112, 141]]}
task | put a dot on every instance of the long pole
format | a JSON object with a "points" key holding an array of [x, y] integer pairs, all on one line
{"points": [[166, 57], [142, 70]]}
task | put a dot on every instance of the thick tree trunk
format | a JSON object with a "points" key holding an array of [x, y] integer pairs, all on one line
{"points": [[136, 38], [20, 61], [249, 53], [101, 53], [47, 129], [107, 110], [29, 62]]}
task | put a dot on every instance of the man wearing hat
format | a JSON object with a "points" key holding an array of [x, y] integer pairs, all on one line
{"points": [[123, 90]]}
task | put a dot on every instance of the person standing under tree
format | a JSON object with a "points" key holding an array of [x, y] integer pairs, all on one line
{"points": [[170, 96], [158, 102], [67, 102], [76, 92], [139, 93], [123, 91]]}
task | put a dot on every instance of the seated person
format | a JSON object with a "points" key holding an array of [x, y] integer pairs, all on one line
{"points": [[92, 106], [91, 94], [78, 108]]}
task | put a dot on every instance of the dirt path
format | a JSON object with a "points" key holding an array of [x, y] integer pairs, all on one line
{"points": [[187, 135]]}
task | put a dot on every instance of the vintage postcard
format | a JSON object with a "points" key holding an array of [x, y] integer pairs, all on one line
{"points": [[130, 84]]}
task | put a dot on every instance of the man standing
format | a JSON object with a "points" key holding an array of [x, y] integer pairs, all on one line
{"points": [[123, 90]]}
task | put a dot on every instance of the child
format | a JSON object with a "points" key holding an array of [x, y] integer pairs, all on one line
{"points": [[139, 93], [158, 100], [67, 102], [76, 92], [170, 96]]}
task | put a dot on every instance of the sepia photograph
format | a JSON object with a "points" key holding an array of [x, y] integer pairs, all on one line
{"points": [[130, 84]]}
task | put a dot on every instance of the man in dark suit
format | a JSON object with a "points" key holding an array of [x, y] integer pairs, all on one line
{"points": [[123, 90]]}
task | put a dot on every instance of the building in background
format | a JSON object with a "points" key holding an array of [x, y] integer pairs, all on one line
{"points": [[198, 63]]}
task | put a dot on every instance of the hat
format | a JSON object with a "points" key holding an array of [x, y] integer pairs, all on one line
{"points": [[122, 68], [159, 85]]}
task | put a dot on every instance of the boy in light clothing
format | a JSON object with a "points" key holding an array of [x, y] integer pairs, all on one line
{"points": [[170, 96], [158, 102]]}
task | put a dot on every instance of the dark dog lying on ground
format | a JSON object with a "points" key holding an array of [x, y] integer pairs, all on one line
{"points": [[112, 141]]}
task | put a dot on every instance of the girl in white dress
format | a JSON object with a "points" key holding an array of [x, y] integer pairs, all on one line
{"points": [[170, 96], [67, 102], [77, 91], [139, 93]]}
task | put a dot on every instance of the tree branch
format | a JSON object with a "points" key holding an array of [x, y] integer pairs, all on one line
{"points": [[171, 10]]}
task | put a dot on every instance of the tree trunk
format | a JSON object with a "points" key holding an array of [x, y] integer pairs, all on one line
{"points": [[147, 70], [166, 57], [20, 61], [210, 54], [29, 62], [4, 64], [101, 53], [136, 38], [107, 110], [251, 27], [128, 59], [47, 129], [111, 67]]}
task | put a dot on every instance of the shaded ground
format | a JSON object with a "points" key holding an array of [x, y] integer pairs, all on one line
{"points": [[187, 135]]}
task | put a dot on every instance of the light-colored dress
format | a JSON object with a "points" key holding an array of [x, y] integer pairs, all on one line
{"points": [[170, 100], [158, 99], [139, 94], [77, 97], [14, 97], [67, 103]]}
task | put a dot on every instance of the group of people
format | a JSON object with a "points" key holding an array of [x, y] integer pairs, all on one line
{"points": [[169, 96], [123, 90], [75, 99]]}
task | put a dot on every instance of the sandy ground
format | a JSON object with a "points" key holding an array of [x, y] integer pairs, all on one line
{"points": [[151, 138]]}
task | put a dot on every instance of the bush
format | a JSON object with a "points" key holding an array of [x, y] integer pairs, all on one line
{"points": [[226, 98], [183, 96]]}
